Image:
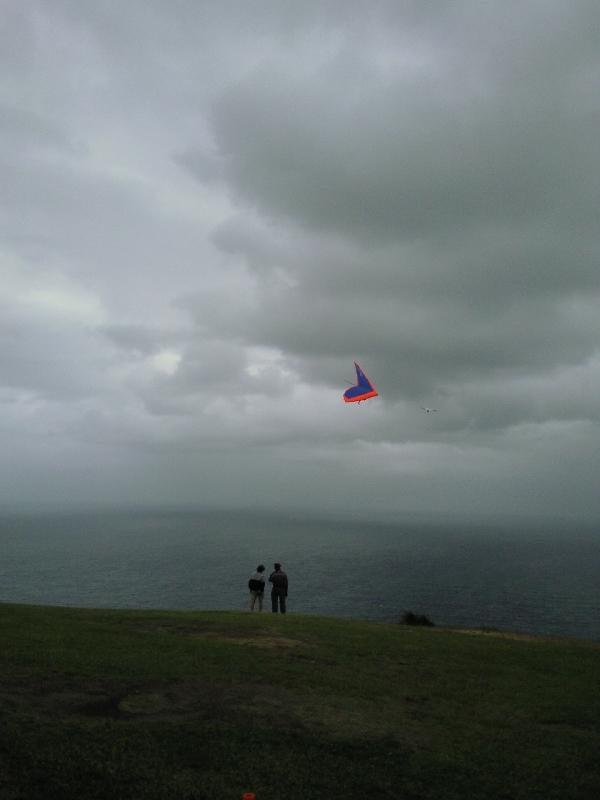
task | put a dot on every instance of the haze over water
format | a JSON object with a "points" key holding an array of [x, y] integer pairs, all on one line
{"points": [[529, 577]]}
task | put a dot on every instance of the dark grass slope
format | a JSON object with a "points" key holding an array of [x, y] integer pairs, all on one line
{"points": [[149, 705]]}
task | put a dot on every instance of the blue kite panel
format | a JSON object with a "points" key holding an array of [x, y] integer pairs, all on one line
{"points": [[362, 390]]}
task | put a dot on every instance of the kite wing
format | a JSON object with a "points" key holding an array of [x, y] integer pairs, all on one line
{"points": [[362, 390]]}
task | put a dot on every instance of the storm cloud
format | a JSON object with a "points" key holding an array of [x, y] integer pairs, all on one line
{"points": [[208, 211]]}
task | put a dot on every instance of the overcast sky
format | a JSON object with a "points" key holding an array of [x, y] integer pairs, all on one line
{"points": [[209, 210]]}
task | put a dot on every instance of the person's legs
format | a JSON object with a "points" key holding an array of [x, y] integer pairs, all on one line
{"points": [[252, 600], [260, 600], [282, 603], [274, 602]]}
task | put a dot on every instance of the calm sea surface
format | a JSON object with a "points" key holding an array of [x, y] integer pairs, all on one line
{"points": [[532, 578]]}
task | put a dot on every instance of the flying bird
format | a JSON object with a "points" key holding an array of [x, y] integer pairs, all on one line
{"points": [[428, 410], [363, 389]]}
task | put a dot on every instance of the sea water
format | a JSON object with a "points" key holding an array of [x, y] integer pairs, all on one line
{"points": [[529, 577]]}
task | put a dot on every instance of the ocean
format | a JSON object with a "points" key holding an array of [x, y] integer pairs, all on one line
{"points": [[531, 577]]}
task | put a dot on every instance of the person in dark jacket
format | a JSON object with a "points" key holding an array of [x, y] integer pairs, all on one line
{"points": [[256, 584], [279, 589]]}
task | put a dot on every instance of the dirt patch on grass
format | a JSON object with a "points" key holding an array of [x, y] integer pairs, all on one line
{"points": [[211, 631], [153, 700], [251, 705], [275, 706], [58, 699], [266, 642], [494, 634], [189, 629], [353, 719], [527, 637]]}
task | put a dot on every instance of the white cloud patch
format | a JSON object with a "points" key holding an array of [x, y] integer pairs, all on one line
{"points": [[166, 361]]}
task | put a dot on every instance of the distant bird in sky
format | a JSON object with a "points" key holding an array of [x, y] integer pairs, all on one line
{"points": [[428, 410]]}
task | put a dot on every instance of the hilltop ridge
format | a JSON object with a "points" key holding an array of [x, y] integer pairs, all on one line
{"points": [[167, 704]]}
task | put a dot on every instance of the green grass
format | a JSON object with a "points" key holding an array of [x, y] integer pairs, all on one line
{"points": [[193, 705]]}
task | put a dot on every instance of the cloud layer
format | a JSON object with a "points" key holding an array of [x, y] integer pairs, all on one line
{"points": [[209, 211]]}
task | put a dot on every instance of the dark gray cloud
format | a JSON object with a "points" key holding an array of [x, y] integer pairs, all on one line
{"points": [[475, 133], [221, 206], [456, 160]]}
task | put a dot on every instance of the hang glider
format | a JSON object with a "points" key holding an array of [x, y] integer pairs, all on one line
{"points": [[361, 390], [428, 410]]}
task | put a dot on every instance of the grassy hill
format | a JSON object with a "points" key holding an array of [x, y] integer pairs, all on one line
{"points": [[193, 705]]}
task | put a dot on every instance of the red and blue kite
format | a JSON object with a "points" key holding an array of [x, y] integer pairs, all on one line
{"points": [[362, 390]]}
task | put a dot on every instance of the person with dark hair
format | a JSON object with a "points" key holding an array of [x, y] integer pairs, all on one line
{"points": [[279, 589], [256, 584]]}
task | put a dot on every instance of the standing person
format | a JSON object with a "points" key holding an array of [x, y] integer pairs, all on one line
{"points": [[279, 589], [256, 584]]}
